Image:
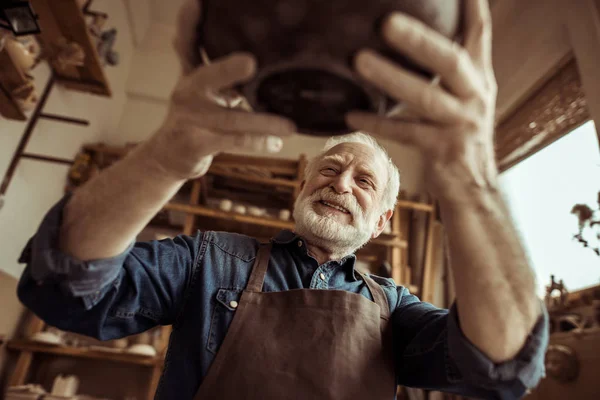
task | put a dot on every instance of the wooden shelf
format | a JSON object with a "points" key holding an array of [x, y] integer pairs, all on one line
{"points": [[230, 216], [36, 347], [385, 239], [413, 205], [63, 19], [256, 179]]}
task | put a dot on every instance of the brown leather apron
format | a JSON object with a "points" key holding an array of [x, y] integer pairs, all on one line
{"points": [[304, 344]]}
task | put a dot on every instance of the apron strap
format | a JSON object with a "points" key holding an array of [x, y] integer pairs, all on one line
{"points": [[379, 296], [259, 269]]}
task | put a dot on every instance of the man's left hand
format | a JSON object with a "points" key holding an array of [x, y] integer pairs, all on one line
{"points": [[455, 133]]}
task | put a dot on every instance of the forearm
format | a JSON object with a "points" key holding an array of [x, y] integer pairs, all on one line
{"points": [[495, 284], [106, 214]]}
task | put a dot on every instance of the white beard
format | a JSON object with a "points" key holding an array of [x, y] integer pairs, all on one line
{"points": [[324, 231]]}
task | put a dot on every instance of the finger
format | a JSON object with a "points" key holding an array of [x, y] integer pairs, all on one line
{"points": [[246, 122], [420, 135], [224, 72], [432, 101], [252, 142], [433, 51], [184, 42], [478, 32]]}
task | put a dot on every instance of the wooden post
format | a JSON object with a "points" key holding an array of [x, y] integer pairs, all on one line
{"points": [[154, 380], [190, 219], [426, 290], [395, 253], [21, 370], [302, 161], [583, 26]]}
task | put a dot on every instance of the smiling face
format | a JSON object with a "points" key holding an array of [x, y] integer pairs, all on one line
{"points": [[340, 205]]}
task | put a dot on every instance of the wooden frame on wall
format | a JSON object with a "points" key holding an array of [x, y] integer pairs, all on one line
{"points": [[548, 83]]}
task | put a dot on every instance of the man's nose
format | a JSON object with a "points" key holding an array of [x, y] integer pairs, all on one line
{"points": [[342, 184]]}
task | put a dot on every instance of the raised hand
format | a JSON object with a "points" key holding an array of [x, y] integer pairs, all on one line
{"points": [[455, 133], [198, 125]]}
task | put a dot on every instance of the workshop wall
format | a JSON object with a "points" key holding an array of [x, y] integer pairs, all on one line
{"points": [[37, 185]]}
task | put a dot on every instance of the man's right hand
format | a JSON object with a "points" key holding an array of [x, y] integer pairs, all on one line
{"points": [[196, 126]]}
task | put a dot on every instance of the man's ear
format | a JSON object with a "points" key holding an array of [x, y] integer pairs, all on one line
{"points": [[383, 219]]}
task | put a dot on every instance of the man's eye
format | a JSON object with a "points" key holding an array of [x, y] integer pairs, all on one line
{"points": [[329, 171], [365, 182]]}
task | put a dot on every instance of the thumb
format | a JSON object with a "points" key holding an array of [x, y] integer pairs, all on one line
{"points": [[185, 41], [254, 142]]}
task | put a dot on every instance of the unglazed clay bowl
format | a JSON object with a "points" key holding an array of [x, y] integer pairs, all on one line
{"points": [[305, 49]]}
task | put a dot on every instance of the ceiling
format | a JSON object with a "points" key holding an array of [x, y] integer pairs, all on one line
{"points": [[165, 12]]}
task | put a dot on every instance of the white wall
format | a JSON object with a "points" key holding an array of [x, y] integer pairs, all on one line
{"points": [[36, 186]]}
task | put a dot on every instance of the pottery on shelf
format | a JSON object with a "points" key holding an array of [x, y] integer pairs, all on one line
{"points": [[225, 205], [240, 209], [284, 214], [22, 54]]}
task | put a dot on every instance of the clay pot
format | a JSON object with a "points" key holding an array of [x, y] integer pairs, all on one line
{"points": [[304, 50], [22, 55]]}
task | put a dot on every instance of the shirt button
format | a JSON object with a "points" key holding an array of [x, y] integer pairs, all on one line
{"points": [[322, 276], [299, 243], [233, 304]]}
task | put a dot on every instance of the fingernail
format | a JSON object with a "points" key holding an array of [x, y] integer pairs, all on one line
{"points": [[363, 60], [274, 144], [398, 19]]}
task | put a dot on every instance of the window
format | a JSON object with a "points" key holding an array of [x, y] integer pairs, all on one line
{"points": [[541, 191]]}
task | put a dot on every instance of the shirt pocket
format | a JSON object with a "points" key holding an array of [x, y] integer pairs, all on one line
{"points": [[222, 316]]}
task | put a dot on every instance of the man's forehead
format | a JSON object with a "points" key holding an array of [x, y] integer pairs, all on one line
{"points": [[364, 155], [352, 151]]}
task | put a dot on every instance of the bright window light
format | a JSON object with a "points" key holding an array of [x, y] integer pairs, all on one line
{"points": [[541, 192]]}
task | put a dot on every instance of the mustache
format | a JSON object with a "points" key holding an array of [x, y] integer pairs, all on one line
{"points": [[347, 201]]}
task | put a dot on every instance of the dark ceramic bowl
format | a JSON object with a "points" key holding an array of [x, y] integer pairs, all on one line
{"points": [[305, 50]]}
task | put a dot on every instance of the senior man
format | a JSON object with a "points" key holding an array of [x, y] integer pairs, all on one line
{"points": [[293, 318]]}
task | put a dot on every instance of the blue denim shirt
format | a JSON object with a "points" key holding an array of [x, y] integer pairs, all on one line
{"points": [[189, 282]]}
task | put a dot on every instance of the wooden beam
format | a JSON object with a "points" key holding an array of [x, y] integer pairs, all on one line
{"points": [[530, 45], [257, 179], [62, 20], [19, 375], [583, 26], [9, 108]]}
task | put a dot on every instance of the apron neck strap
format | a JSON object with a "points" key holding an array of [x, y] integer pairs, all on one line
{"points": [[261, 263], [259, 269], [379, 296]]}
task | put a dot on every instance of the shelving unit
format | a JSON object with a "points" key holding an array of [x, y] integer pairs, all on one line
{"points": [[37, 347], [62, 22], [270, 182], [11, 79]]}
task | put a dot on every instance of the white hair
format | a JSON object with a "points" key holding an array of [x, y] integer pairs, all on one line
{"points": [[392, 187]]}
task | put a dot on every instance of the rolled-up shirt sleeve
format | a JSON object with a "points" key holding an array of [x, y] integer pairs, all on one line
{"points": [[47, 264], [524, 370], [432, 352], [106, 298]]}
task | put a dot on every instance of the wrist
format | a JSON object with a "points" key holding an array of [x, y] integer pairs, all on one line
{"points": [[470, 198], [147, 158], [166, 162]]}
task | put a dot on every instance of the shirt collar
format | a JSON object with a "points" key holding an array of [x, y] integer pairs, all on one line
{"points": [[286, 237]]}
